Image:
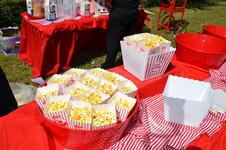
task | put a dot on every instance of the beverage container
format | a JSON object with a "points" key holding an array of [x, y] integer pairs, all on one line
{"points": [[60, 9], [38, 8], [50, 10], [85, 8], [68, 8], [29, 7], [76, 7]]}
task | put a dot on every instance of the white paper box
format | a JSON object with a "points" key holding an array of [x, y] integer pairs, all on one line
{"points": [[142, 66], [186, 101], [165, 46]]}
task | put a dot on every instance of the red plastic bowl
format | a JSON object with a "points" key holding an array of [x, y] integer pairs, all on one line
{"points": [[88, 139], [215, 30], [200, 50]]}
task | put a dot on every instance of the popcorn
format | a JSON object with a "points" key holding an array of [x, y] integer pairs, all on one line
{"points": [[46, 91], [83, 104], [80, 111], [106, 87], [57, 103], [76, 90], [75, 72], [124, 104], [97, 72], [94, 97], [89, 81], [148, 43], [63, 80], [128, 87], [113, 78], [104, 115], [123, 101]]}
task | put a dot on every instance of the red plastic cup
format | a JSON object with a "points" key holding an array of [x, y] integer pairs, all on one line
{"points": [[215, 30], [200, 50]]}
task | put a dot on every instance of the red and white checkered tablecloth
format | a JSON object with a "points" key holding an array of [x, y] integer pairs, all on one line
{"points": [[149, 129]]}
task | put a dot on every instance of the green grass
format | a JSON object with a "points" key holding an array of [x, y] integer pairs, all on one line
{"points": [[17, 71]]}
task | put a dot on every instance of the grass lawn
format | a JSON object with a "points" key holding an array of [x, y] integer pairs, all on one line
{"points": [[17, 71]]}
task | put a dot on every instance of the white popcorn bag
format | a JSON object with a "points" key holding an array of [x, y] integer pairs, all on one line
{"points": [[106, 87], [56, 109], [62, 80], [165, 46], [89, 80], [76, 91], [124, 104], [97, 72], [104, 116], [141, 48], [133, 40], [41, 102], [142, 66], [186, 101], [75, 73], [95, 97], [114, 78], [80, 115], [128, 87], [47, 91], [130, 42]]}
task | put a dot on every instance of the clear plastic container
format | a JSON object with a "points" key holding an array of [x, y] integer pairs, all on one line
{"points": [[68, 8]]}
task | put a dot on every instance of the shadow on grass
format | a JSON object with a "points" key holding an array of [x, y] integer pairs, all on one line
{"points": [[199, 4], [87, 59]]}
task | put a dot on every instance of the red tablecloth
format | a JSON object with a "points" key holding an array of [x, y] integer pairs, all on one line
{"points": [[50, 48], [22, 129]]}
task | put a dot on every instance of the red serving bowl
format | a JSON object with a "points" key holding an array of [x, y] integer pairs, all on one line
{"points": [[200, 50], [215, 30], [88, 139]]}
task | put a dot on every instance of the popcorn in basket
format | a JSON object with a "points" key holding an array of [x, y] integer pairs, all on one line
{"points": [[127, 87], [94, 97], [124, 104], [47, 91], [113, 77], [106, 87], [62, 80], [89, 80], [104, 116], [75, 73], [147, 43], [98, 72], [76, 90], [56, 108], [80, 115]]}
